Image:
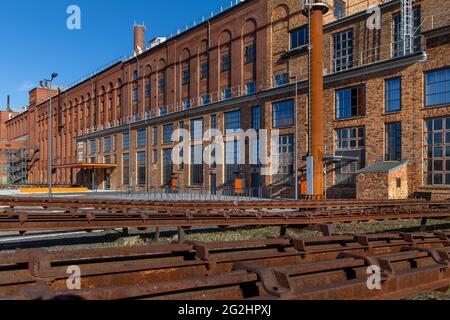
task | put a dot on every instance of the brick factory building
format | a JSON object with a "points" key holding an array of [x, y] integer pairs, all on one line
{"points": [[240, 70]]}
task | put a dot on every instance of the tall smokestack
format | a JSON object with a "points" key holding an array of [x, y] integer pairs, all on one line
{"points": [[8, 103], [139, 39]]}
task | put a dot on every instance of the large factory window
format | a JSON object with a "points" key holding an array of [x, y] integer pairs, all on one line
{"points": [[167, 166], [107, 144], [283, 113], [437, 151], [393, 95], [141, 165], [399, 44], [350, 142], [126, 168], [232, 122], [126, 141], [437, 87], [167, 133], [197, 129], [286, 158], [299, 37], [141, 138], [343, 50], [197, 165], [394, 141], [351, 102], [232, 160]]}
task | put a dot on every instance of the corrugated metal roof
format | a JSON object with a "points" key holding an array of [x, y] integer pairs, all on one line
{"points": [[383, 167]]}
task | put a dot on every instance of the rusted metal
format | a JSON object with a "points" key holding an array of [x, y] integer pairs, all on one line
{"points": [[21, 220], [280, 268]]}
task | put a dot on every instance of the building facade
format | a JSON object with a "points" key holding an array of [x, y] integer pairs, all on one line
{"points": [[247, 68]]}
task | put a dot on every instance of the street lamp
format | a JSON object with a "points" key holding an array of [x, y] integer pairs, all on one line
{"points": [[49, 85], [295, 78]]}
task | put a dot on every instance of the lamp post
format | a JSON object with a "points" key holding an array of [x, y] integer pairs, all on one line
{"points": [[49, 85], [295, 78]]}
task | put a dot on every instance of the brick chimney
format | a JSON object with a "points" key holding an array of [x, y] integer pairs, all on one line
{"points": [[139, 39], [8, 103]]}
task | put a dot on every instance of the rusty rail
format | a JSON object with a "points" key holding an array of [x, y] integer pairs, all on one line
{"points": [[25, 220], [282, 268]]}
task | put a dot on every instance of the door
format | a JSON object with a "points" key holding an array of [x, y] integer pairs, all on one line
{"points": [[107, 181]]}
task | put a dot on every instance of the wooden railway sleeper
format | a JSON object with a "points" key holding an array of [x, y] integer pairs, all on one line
{"points": [[276, 283], [443, 237]]}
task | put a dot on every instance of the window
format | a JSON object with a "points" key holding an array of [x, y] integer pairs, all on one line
{"points": [[162, 84], [147, 88], [281, 79], [350, 138], [250, 53], [214, 121], [283, 113], [126, 168], [339, 9], [204, 70], [394, 141], [155, 156], [350, 142], [155, 136], [167, 167], [226, 93], [393, 95], [126, 141], [197, 129], [437, 87], [186, 104], [232, 122], [167, 133], [400, 46], [181, 127], [299, 38], [205, 99], [225, 62], [162, 111], [232, 161], [135, 75], [114, 142], [141, 138], [186, 76], [256, 118], [107, 144], [286, 157], [343, 50], [250, 87], [197, 165], [93, 147], [141, 168], [437, 151], [135, 94], [350, 102]]}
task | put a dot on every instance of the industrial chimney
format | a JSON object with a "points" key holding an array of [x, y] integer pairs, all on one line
{"points": [[139, 39], [8, 103]]}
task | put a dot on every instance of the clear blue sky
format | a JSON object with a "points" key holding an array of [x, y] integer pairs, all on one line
{"points": [[36, 42]]}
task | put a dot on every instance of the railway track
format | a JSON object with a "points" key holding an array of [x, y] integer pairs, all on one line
{"points": [[66, 215], [220, 204], [26, 220], [281, 268]]}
